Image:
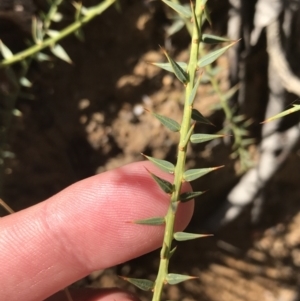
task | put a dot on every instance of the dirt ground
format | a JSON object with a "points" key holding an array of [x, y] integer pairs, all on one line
{"points": [[89, 117]]}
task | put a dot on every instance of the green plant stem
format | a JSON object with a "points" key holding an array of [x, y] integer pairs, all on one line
{"points": [[180, 165], [91, 13], [242, 153]]}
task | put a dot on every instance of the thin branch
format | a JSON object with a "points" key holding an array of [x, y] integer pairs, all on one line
{"points": [[91, 13]]}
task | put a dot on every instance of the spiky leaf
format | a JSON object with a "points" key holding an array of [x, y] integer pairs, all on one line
{"points": [[187, 196], [180, 9], [5, 51], [169, 123], [162, 164], [231, 92], [207, 15], [178, 71], [79, 34], [177, 278], [182, 236], [143, 284], [194, 91], [168, 66], [284, 113], [153, 221], [172, 252], [175, 27], [215, 70], [186, 140], [193, 174], [239, 118], [212, 56], [212, 39], [197, 116], [248, 122], [166, 186], [200, 138], [243, 132], [59, 52]]}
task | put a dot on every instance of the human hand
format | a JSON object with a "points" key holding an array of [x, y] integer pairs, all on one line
{"points": [[84, 228]]}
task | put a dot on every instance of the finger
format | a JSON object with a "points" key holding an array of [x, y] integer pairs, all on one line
{"points": [[88, 294], [82, 229]]}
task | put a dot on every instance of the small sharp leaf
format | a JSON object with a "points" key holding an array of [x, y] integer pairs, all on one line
{"points": [[239, 118], [143, 284], [180, 9], [243, 132], [284, 113], [169, 123], [168, 66], [175, 27], [215, 71], [194, 91], [59, 52], [197, 116], [212, 56], [5, 51], [187, 196], [185, 141], [153, 221], [182, 236], [207, 15], [172, 252], [212, 39], [231, 92], [166, 186], [79, 34], [193, 174], [200, 138], [177, 278], [162, 164], [178, 71]]}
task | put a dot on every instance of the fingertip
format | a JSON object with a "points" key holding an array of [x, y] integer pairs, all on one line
{"points": [[92, 294], [85, 228]]}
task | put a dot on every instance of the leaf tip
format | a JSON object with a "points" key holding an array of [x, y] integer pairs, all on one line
{"points": [[207, 235], [218, 167]]}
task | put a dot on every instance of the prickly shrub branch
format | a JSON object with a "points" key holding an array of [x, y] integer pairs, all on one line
{"points": [[235, 125], [189, 74]]}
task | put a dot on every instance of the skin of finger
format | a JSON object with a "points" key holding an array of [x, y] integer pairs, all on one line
{"points": [[88, 294], [86, 227]]}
